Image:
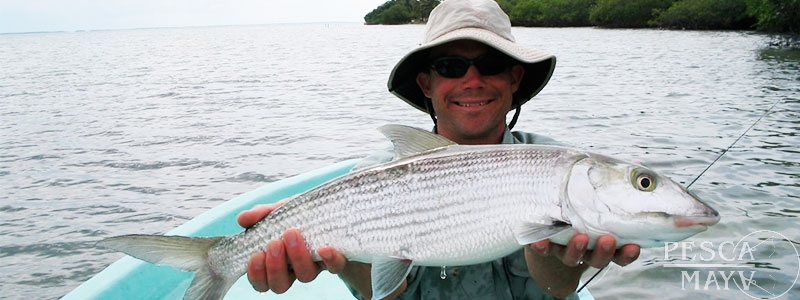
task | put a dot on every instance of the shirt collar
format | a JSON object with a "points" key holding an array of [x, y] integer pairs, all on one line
{"points": [[509, 138]]}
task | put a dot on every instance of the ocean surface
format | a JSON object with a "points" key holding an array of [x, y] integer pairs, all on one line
{"points": [[137, 131]]}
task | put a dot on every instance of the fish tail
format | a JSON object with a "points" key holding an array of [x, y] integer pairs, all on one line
{"points": [[183, 253]]}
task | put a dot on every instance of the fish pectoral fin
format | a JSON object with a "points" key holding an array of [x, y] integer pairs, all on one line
{"points": [[388, 274], [528, 233]]}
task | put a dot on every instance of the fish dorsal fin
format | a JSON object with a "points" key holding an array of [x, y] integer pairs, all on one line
{"points": [[528, 233], [409, 141], [388, 274]]}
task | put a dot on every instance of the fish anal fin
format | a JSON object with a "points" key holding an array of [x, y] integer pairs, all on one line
{"points": [[528, 233], [388, 274]]}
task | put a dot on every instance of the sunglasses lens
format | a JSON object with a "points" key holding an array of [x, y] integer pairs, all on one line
{"points": [[490, 65], [451, 67], [456, 67]]}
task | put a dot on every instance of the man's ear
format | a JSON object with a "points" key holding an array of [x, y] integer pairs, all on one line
{"points": [[517, 72], [424, 82]]}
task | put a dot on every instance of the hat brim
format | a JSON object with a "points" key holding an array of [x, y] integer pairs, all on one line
{"points": [[539, 66]]}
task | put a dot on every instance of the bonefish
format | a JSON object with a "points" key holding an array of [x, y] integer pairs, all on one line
{"points": [[442, 204]]}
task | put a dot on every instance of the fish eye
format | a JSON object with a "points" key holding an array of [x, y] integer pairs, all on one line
{"points": [[643, 180]]}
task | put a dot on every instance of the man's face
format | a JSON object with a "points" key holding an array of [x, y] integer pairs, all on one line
{"points": [[470, 109]]}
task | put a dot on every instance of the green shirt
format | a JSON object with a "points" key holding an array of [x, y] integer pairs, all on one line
{"points": [[506, 278]]}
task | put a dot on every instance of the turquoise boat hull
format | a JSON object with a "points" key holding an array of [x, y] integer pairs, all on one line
{"points": [[130, 278]]}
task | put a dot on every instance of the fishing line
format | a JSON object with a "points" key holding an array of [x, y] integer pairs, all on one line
{"points": [[701, 173], [590, 280], [734, 143]]}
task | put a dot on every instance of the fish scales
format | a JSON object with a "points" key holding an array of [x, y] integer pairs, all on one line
{"points": [[423, 208]]}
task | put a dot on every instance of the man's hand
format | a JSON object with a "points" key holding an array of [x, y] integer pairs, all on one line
{"points": [[558, 268], [575, 253], [270, 270]]}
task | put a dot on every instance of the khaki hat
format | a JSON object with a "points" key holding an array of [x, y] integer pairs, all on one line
{"points": [[479, 20]]}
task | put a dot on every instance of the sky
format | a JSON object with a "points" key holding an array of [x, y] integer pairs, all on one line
{"points": [[71, 15]]}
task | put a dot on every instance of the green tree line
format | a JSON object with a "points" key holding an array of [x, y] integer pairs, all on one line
{"points": [[401, 12], [764, 15]]}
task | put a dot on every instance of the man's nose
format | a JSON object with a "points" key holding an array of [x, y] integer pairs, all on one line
{"points": [[473, 77]]}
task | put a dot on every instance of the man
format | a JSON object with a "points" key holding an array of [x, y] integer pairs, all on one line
{"points": [[468, 74]]}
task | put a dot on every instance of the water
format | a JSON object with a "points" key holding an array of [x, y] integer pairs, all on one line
{"points": [[137, 131]]}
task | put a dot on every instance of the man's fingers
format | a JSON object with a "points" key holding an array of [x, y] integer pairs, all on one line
{"points": [[603, 252], [541, 247], [251, 216], [575, 253], [575, 250], [278, 277], [627, 254], [304, 268], [334, 261], [257, 273]]}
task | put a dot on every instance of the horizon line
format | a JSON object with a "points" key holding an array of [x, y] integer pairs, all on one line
{"points": [[178, 27]]}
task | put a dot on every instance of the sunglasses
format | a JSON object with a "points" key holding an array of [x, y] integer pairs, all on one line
{"points": [[456, 66]]}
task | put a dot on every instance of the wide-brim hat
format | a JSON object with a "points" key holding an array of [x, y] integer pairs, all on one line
{"points": [[478, 20]]}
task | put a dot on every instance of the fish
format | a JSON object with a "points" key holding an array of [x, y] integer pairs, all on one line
{"points": [[438, 203]]}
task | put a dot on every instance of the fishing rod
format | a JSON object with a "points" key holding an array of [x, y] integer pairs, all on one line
{"points": [[703, 172]]}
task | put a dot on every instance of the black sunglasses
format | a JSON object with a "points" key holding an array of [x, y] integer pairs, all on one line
{"points": [[456, 66]]}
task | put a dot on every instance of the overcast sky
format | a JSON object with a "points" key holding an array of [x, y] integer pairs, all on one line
{"points": [[71, 15]]}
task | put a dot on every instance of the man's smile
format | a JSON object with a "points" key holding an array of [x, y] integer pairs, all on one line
{"points": [[472, 104]]}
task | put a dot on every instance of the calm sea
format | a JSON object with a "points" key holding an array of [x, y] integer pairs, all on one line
{"points": [[137, 131]]}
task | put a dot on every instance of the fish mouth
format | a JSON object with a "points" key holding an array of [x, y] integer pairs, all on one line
{"points": [[688, 221], [707, 217]]}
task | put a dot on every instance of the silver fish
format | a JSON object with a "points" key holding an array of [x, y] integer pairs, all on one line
{"points": [[442, 204]]}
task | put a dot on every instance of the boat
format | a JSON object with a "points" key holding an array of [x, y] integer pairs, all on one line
{"points": [[130, 278]]}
